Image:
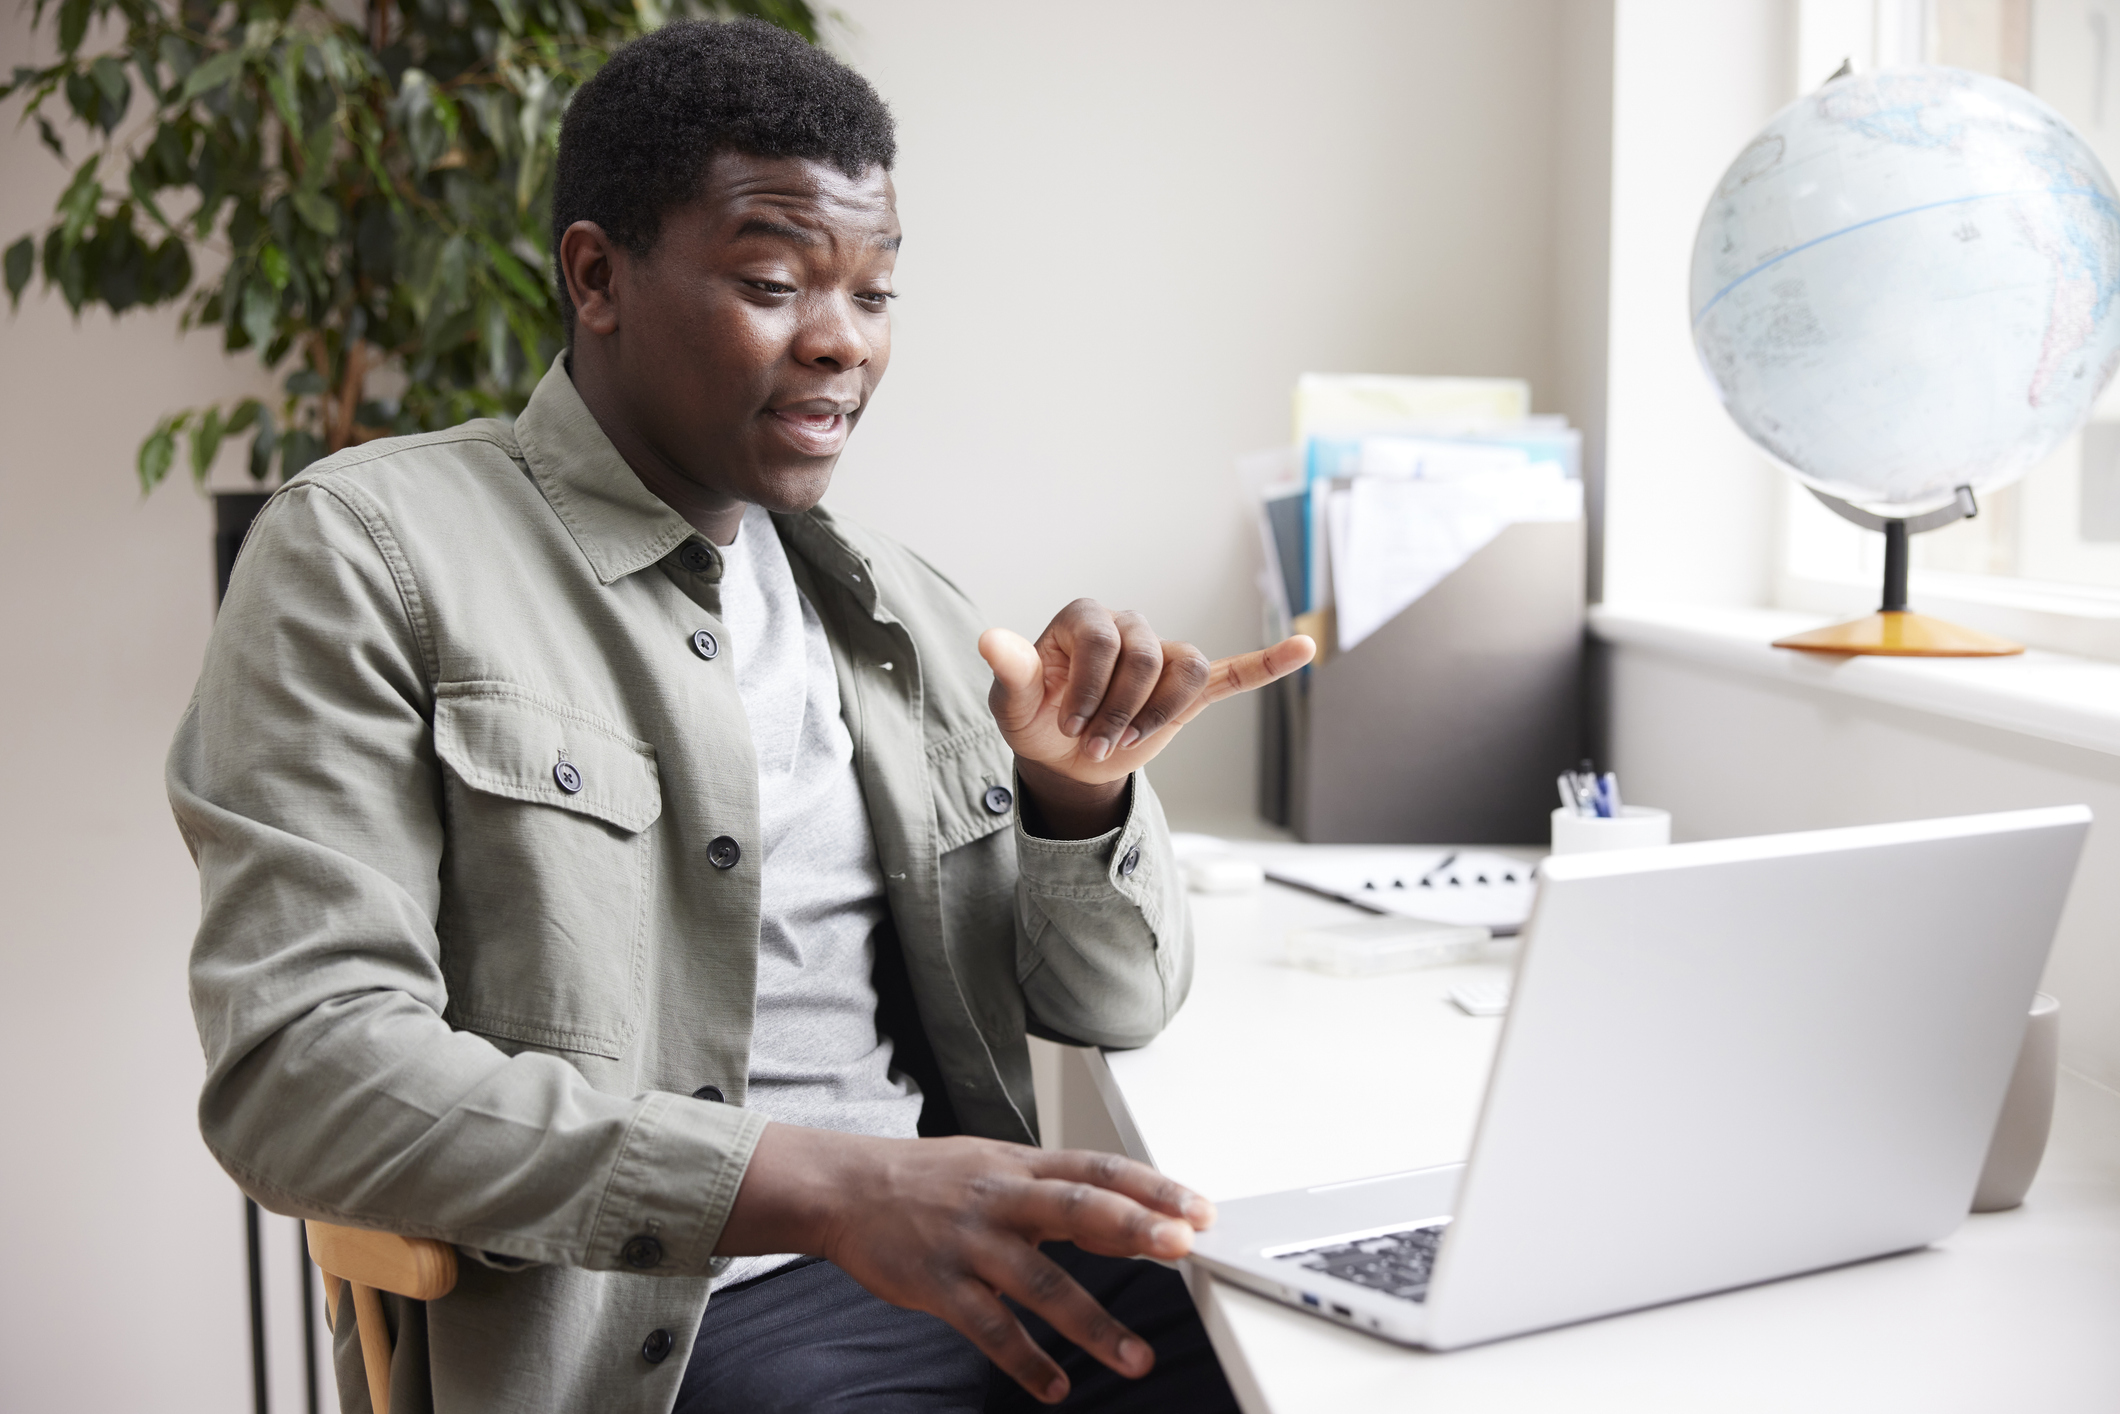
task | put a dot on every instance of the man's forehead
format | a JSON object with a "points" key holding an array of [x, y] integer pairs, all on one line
{"points": [[799, 199]]}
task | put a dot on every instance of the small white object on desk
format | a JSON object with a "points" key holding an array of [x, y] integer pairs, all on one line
{"points": [[1489, 997], [1375, 946], [1222, 874]]}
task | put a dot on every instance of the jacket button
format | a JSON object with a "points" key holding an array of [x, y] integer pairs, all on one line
{"points": [[641, 1252], [696, 557], [569, 779], [998, 800], [1130, 862], [723, 852], [708, 1092], [656, 1346], [704, 645]]}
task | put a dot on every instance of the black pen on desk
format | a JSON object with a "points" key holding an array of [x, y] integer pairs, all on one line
{"points": [[1440, 865]]}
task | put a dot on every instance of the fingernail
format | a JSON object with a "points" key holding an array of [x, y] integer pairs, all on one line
{"points": [[1132, 1353], [1201, 1212], [1099, 748], [1170, 1235], [1056, 1391], [1133, 734], [1073, 726]]}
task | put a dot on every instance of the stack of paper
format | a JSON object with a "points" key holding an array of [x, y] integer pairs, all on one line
{"points": [[1393, 484]]}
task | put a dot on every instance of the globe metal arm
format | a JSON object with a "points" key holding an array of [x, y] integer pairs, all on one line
{"points": [[1896, 530]]}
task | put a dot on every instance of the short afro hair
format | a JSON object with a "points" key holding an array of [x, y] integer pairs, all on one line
{"points": [[638, 136]]}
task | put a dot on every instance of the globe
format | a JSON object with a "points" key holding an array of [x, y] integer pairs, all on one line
{"points": [[1905, 284]]}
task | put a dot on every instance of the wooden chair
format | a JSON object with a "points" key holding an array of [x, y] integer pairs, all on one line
{"points": [[368, 1263]]}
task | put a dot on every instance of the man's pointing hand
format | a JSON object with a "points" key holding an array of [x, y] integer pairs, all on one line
{"points": [[1099, 694]]}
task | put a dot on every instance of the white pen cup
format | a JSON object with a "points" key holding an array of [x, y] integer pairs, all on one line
{"points": [[1635, 827]]}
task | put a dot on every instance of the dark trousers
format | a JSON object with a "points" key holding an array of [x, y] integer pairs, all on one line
{"points": [[810, 1337]]}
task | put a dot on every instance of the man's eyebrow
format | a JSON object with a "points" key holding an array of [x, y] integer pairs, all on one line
{"points": [[760, 226]]}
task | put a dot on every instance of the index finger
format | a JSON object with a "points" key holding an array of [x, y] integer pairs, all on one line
{"points": [[1122, 1175], [1243, 672]]}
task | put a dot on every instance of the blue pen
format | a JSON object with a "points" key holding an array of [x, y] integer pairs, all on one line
{"points": [[1608, 795]]}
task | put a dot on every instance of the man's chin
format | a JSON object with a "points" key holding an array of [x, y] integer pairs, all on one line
{"points": [[794, 489]]}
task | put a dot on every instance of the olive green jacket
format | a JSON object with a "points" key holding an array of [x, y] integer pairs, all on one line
{"points": [[463, 775]]}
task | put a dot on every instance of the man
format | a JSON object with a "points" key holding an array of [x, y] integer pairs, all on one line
{"points": [[612, 864]]}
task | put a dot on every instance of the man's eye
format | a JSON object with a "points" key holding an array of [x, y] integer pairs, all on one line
{"points": [[876, 297], [771, 287]]}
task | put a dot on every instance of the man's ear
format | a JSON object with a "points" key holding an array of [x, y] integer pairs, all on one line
{"points": [[588, 261]]}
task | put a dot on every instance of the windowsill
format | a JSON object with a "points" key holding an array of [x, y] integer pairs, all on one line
{"points": [[2055, 696], [2073, 618]]}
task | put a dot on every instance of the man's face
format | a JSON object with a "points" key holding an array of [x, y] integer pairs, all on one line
{"points": [[751, 337]]}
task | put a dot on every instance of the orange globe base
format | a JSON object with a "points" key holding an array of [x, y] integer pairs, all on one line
{"points": [[1901, 633]]}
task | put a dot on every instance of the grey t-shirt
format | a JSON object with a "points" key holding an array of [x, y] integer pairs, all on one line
{"points": [[816, 1057]]}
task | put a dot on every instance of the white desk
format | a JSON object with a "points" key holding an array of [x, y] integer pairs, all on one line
{"points": [[1274, 1078]]}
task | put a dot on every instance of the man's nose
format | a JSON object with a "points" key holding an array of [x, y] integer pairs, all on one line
{"points": [[830, 336]]}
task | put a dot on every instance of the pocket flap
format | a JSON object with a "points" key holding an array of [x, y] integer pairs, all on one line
{"points": [[506, 741], [962, 771]]}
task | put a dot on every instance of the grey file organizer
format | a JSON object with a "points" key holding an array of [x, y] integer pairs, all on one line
{"points": [[1448, 724]]}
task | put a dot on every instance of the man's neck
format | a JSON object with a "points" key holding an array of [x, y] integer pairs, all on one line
{"points": [[713, 514]]}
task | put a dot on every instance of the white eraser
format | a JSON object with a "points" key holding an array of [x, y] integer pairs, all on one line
{"points": [[1223, 874]]}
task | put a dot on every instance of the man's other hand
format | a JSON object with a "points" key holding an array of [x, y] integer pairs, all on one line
{"points": [[950, 1226], [1099, 694]]}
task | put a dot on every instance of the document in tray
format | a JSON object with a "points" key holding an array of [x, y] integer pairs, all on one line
{"points": [[1475, 886], [1393, 539]]}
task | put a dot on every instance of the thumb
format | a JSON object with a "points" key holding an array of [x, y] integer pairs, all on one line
{"points": [[1019, 677]]}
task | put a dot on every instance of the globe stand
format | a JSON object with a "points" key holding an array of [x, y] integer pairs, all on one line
{"points": [[1895, 630]]}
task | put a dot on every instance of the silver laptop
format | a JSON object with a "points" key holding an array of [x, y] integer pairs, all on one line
{"points": [[1723, 1063]]}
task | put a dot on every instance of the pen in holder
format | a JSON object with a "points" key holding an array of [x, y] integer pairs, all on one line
{"points": [[1635, 827], [1591, 816]]}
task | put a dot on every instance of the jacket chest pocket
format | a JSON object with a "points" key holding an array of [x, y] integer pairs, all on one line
{"points": [[545, 876]]}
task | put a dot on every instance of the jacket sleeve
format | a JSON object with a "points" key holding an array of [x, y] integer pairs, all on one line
{"points": [[305, 783], [1103, 936]]}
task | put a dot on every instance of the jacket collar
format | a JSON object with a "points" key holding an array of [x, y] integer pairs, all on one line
{"points": [[620, 525]]}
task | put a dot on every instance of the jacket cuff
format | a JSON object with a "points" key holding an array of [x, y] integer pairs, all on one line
{"points": [[672, 1187], [1131, 860]]}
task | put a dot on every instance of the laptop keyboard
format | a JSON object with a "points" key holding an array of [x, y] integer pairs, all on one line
{"points": [[1395, 1263]]}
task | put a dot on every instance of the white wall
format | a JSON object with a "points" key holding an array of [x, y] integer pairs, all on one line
{"points": [[1730, 755], [1128, 228], [1689, 502]]}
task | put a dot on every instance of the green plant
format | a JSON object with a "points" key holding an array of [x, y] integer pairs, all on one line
{"points": [[361, 197]]}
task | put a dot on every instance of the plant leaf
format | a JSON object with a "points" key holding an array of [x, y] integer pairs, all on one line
{"points": [[511, 270], [273, 261], [260, 311], [317, 212], [212, 74], [21, 261], [205, 444], [79, 201], [263, 445], [298, 449], [73, 25], [157, 452]]}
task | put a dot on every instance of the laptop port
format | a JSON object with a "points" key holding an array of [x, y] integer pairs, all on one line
{"points": [[1342, 1311], [1309, 1300]]}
